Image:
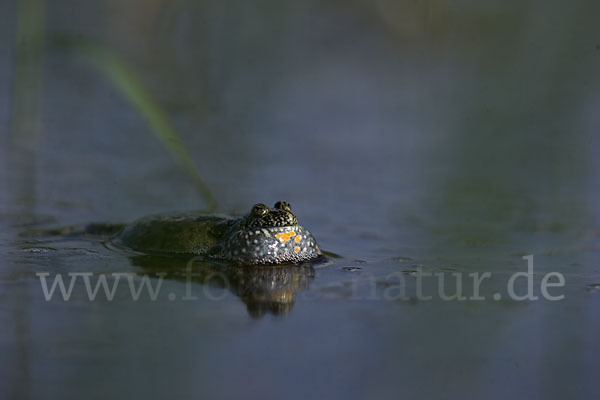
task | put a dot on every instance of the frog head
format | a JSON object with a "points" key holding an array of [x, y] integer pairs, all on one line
{"points": [[261, 216], [270, 236]]}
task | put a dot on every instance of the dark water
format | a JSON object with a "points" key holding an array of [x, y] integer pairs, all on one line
{"points": [[411, 138]]}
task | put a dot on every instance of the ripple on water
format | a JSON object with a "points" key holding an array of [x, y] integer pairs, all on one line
{"points": [[401, 259], [593, 288], [39, 250]]}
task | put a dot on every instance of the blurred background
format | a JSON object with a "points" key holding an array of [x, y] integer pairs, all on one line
{"points": [[448, 136]]}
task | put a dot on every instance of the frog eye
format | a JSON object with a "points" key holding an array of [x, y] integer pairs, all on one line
{"points": [[260, 210], [283, 205]]}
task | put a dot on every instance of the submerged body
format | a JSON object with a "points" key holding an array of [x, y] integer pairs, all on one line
{"points": [[263, 236]]}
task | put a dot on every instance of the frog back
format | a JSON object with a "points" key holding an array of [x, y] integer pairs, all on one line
{"points": [[175, 233]]}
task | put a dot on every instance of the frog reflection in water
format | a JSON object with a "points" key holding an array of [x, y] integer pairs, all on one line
{"points": [[264, 289]]}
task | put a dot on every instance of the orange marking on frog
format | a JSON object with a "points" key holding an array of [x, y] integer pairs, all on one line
{"points": [[296, 249], [297, 238], [284, 237]]}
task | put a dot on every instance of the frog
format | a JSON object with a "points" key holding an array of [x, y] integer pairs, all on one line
{"points": [[263, 236]]}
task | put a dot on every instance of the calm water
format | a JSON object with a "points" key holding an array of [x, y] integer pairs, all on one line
{"points": [[410, 138]]}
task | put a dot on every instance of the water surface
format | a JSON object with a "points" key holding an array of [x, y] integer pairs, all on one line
{"points": [[454, 142]]}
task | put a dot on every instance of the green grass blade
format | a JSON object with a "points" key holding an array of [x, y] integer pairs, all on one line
{"points": [[124, 80]]}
